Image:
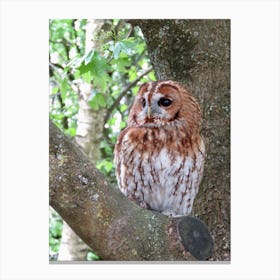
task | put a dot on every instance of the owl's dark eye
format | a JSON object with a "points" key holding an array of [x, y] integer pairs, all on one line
{"points": [[143, 103], [165, 102]]}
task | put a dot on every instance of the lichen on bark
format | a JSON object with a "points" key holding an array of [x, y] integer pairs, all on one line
{"points": [[197, 54]]}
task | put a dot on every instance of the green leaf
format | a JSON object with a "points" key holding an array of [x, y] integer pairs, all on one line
{"points": [[122, 124], [96, 101], [100, 100], [117, 50], [109, 166], [56, 228], [85, 68], [111, 121], [92, 257], [101, 82], [100, 65], [71, 131], [93, 105], [95, 70], [105, 165], [132, 73], [75, 62], [121, 63], [123, 108], [140, 48], [87, 77], [103, 144], [64, 89], [89, 56], [135, 90], [128, 45], [152, 76], [55, 90]]}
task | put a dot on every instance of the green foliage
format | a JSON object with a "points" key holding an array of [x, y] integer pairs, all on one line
{"points": [[93, 68], [118, 59], [96, 100], [66, 41], [92, 257], [55, 229]]}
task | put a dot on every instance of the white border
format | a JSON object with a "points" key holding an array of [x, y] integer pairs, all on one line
{"points": [[24, 138]]}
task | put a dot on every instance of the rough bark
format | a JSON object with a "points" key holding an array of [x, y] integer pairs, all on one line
{"points": [[113, 226], [197, 54]]}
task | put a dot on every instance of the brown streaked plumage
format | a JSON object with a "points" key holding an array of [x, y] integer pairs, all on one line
{"points": [[159, 156]]}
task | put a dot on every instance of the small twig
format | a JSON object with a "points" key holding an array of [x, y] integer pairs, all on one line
{"points": [[56, 42], [122, 94], [55, 66], [130, 31]]}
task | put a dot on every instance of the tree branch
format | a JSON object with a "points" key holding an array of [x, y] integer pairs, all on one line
{"points": [[55, 66], [122, 94], [113, 226]]}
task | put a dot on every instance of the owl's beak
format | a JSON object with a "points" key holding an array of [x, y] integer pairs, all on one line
{"points": [[149, 112]]}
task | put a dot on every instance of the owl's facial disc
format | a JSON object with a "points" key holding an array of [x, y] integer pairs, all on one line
{"points": [[158, 107], [146, 111], [164, 106], [150, 112], [157, 103]]}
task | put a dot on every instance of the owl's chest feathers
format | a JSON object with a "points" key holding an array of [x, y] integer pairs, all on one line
{"points": [[163, 169], [152, 140]]}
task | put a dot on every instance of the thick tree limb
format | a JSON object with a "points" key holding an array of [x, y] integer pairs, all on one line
{"points": [[113, 226]]}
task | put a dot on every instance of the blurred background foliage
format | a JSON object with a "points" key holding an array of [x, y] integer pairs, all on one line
{"points": [[113, 70]]}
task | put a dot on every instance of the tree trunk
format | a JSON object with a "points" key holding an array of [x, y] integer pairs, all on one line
{"points": [[197, 54]]}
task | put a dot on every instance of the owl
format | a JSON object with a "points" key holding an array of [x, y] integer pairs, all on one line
{"points": [[159, 156]]}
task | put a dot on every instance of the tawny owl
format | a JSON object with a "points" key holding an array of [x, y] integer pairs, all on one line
{"points": [[159, 156]]}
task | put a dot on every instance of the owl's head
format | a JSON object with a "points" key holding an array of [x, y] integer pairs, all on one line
{"points": [[164, 102]]}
